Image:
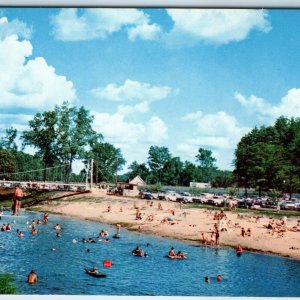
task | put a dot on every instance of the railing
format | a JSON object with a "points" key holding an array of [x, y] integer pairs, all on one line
{"points": [[41, 185]]}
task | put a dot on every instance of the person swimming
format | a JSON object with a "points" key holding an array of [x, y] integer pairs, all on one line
{"points": [[138, 251], [90, 240], [34, 231], [57, 227], [206, 279], [180, 255], [219, 278], [94, 270], [104, 240], [103, 233], [3, 227], [32, 277], [20, 234], [239, 250]]}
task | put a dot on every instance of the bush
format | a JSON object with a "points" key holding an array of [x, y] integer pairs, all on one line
{"points": [[6, 285]]}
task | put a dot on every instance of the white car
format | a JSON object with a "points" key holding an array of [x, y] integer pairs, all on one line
{"points": [[185, 197], [172, 196]]}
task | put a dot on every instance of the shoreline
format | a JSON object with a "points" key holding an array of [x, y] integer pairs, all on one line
{"points": [[91, 209]]}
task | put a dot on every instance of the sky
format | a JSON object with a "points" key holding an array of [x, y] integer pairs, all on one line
{"points": [[180, 78]]}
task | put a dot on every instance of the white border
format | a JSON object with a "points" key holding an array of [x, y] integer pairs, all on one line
{"points": [[155, 3]]}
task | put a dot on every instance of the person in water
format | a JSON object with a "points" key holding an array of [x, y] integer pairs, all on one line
{"points": [[180, 255], [219, 278], [18, 197], [3, 227], [20, 234], [239, 249], [33, 230], [57, 227], [172, 253], [206, 279], [32, 277], [45, 217], [94, 270], [138, 251], [8, 227]]}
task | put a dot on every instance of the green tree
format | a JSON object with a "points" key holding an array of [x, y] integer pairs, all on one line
{"points": [[157, 158], [42, 136], [137, 169], [172, 171], [108, 161], [206, 163], [8, 164], [8, 141], [189, 173]]}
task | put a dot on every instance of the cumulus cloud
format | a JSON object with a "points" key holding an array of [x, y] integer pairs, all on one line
{"points": [[132, 90], [289, 106], [218, 132], [116, 128], [218, 26], [29, 83], [72, 24], [14, 27]]}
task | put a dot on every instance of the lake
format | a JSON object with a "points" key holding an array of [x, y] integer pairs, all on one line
{"points": [[62, 271]]}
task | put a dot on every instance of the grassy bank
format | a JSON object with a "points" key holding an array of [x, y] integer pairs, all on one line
{"points": [[7, 286]]}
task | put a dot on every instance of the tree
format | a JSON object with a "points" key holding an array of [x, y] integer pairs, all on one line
{"points": [[207, 163], [42, 136], [8, 163], [189, 173], [139, 170], [171, 171], [8, 141], [108, 160], [157, 158]]}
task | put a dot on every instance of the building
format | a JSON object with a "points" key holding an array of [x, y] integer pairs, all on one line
{"points": [[200, 185], [138, 181]]}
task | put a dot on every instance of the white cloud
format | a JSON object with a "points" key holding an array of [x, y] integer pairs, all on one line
{"points": [[219, 26], [14, 27], [218, 132], [156, 130], [145, 32], [142, 107], [289, 106], [117, 129], [29, 83], [72, 24], [132, 90]]}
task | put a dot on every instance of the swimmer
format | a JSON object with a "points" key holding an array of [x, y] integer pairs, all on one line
{"points": [[3, 227], [172, 253], [88, 250], [206, 279], [180, 255], [33, 230], [94, 270], [20, 234], [39, 222], [104, 241], [45, 217], [8, 227], [239, 250], [138, 251], [57, 227], [219, 278], [84, 240], [90, 240], [58, 234], [103, 233], [32, 277]]}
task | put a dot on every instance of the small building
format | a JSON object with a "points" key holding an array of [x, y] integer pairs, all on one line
{"points": [[128, 189], [200, 185], [138, 181]]}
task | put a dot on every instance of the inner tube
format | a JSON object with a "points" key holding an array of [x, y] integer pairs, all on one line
{"points": [[98, 275], [174, 257]]}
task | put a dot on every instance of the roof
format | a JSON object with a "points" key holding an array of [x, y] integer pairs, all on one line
{"points": [[137, 180]]}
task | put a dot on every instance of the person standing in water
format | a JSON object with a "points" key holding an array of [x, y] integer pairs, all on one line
{"points": [[32, 277], [18, 197]]}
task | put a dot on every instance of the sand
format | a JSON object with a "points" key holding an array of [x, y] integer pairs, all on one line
{"points": [[186, 224]]}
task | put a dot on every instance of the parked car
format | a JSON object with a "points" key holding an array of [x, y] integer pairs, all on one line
{"points": [[289, 205], [171, 196], [185, 197], [147, 195], [216, 201], [161, 195], [204, 197]]}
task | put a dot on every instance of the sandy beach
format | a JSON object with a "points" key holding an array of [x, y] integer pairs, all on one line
{"points": [[176, 221]]}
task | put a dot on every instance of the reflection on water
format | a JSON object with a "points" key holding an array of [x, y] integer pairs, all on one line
{"points": [[62, 271]]}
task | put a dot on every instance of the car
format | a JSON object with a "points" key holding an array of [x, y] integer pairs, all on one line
{"points": [[147, 195], [289, 205], [242, 204], [185, 197], [216, 201], [204, 197], [161, 195], [172, 196]]}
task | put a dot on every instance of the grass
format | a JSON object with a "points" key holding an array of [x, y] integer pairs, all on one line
{"points": [[6, 285], [265, 212]]}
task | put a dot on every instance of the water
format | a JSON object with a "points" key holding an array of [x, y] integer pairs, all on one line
{"points": [[62, 271]]}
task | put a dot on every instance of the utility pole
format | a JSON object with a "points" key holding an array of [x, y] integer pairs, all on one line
{"points": [[86, 175], [92, 165], [117, 172]]}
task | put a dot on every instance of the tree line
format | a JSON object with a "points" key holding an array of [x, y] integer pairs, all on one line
{"points": [[267, 158]]}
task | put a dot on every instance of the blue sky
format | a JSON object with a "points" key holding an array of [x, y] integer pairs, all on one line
{"points": [[181, 78]]}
